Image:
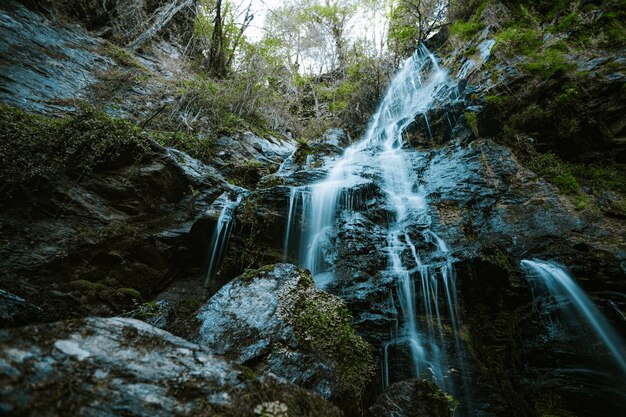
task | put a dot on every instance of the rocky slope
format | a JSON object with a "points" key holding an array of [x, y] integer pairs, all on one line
{"points": [[113, 223]]}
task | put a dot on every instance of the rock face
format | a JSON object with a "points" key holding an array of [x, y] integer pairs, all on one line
{"points": [[33, 81], [413, 398], [275, 320], [93, 245], [108, 367], [15, 311]]}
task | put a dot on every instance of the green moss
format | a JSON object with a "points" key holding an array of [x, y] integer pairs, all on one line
{"points": [[249, 274], [323, 325], [497, 100], [303, 150], [472, 121], [35, 149], [466, 30], [499, 258], [246, 374], [517, 40], [602, 177], [87, 286], [443, 404], [567, 183], [122, 56], [247, 174], [130, 292], [271, 181], [549, 63], [147, 310], [582, 202]]}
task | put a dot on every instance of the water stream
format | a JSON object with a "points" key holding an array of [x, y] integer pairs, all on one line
{"points": [[424, 290], [221, 234], [551, 280]]}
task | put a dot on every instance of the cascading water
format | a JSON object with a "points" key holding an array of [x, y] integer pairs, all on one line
{"points": [[551, 280], [427, 329], [221, 234]]}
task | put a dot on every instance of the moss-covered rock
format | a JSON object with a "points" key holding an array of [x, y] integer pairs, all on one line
{"points": [[413, 398], [96, 365], [276, 320]]}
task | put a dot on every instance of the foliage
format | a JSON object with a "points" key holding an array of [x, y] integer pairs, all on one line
{"points": [[198, 146], [554, 170], [549, 63], [247, 174], [122, 56], [472, 122], [497, 100], [414, 21], [35, 148], [517, 40], [465, 30]]}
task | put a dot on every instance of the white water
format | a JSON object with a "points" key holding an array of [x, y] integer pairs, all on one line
{"points": [[552, 279], [221, 234], [425, 292]]}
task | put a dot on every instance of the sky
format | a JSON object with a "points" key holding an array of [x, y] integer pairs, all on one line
{"points": [[260, 10]]}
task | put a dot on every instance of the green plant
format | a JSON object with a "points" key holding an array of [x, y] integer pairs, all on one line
{"points": [[567, 183], [465, 30], [201, 147], [549, 63], [122, 56], [472, 122], [497, 100], [517, 40], [35, 149], [569, 22], [323, 325]]}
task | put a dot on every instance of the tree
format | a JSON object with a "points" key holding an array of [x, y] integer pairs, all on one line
{"points": [[220, 25], [333, 17], [414, 21], [217, 61]]}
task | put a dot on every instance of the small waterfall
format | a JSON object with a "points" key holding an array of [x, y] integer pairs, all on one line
{"points": [[550, 279], [425, 339], [221, 234]]}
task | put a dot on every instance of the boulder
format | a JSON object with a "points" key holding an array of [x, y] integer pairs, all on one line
{"points": [[275, 320], [413, 398], [110, 367]]}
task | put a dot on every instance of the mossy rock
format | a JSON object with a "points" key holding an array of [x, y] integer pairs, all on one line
{"points": [[276, 319]]}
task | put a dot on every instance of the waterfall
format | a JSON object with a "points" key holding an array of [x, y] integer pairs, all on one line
{"points": [[221, 234], [424, 282], [552, 280]]}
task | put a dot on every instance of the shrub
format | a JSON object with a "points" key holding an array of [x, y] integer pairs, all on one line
{"points": [[516, 40]]}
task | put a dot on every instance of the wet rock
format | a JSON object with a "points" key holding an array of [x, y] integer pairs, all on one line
{"points": [[113, 237], [246, 158], [413, 398], [116, 366], [275, 320], [34, 80], [15, 311], [336, 137]]}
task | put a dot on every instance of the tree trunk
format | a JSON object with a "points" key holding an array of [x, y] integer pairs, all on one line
{"points": [[217, 63]]}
